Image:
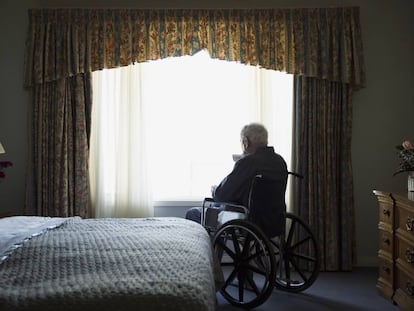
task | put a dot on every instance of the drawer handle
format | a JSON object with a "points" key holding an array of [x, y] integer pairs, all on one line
{"points": [[410, 223], [409, 255], [386, 241], [386, 212], [410, 288], [386, 269]]}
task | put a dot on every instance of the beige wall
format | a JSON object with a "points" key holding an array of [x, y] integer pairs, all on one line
{"points": [[383, 111]]}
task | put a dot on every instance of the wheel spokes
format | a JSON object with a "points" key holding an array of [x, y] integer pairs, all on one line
{"points": [[247, 263], [297, 260]]}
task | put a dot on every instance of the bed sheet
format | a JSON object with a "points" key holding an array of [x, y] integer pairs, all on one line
{"points": [[14, 231]]}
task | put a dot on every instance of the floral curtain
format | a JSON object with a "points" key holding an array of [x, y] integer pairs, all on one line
{"points": [[61, 128], [323, 44], [322, 143]]}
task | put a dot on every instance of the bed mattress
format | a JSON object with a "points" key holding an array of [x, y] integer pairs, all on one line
{"points": [[111, 264]]}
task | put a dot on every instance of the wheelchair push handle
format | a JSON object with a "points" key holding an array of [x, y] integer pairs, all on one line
{"points": [[296, 175]]}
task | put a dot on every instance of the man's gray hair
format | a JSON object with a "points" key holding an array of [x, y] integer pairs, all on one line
{"points": [[256, 133]]}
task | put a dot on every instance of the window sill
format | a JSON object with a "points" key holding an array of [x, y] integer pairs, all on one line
{"points": [[181, 203]]}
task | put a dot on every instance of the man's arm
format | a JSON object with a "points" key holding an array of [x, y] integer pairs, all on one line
{"points": [[235, 185]]}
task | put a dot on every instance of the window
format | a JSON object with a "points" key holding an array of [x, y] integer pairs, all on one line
{"points": [[192, 110]]}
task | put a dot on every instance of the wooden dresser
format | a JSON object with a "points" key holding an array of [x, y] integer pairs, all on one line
{"points": [[396, 247]]}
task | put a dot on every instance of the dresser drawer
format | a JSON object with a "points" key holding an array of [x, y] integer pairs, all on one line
{"points": [[386, 211], [404, 295], [385, 280], [385, 267], [386, 241], [405, 221], [405, 253]]}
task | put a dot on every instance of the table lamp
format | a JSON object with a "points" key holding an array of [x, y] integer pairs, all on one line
{"points": [[2, 149]]}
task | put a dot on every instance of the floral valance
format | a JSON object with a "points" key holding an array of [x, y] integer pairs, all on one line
{"points": [[324, 43]]}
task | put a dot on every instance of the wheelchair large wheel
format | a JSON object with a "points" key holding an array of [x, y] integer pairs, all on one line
{"points": [[297, 256], [247, 261]]}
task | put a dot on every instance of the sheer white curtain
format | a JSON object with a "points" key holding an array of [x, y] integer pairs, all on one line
{"points": [[120, 182], [169, 127]]}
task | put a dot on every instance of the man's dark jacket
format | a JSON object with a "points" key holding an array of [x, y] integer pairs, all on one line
{"points": [[235, 188]]}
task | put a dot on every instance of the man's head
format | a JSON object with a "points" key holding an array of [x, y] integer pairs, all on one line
{"points": [[253, 136]]}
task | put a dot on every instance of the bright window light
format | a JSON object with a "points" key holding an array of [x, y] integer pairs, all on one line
{"points": [[194, 108]]}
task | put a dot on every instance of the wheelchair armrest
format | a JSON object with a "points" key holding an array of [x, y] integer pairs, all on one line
{"points": [[231, 207], [225, 206]]}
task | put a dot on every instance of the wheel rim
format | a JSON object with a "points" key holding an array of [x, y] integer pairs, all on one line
{"points": [[247, 263], [297, 256]]}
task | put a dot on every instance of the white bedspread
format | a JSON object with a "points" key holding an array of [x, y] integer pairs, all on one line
{"points": [[14, 231]]}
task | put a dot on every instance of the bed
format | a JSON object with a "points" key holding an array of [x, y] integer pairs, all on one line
{"points": [[105, 264]]}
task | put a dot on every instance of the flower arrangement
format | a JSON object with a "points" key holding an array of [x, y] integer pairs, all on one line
{"points": [[3, 165], [405, 152]]}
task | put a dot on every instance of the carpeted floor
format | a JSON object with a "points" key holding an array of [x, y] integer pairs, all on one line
{"points": [[339, 291]]}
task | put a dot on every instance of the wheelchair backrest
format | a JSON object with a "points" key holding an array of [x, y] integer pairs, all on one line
{"points": [[267, 207]]}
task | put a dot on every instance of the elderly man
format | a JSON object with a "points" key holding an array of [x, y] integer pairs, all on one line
{"points": [[257, 158]]}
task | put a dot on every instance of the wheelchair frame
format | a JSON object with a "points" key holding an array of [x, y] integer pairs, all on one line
{"points": [[254, 264]]}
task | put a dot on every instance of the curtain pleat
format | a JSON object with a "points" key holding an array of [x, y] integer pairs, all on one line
{"points": [[61, 113], [322, 140]]}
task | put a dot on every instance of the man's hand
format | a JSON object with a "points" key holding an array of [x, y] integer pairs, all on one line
{"points": [[213, 189], [237, 157]]}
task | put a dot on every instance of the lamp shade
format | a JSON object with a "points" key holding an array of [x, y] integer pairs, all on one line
{"points": [[2, 149]]}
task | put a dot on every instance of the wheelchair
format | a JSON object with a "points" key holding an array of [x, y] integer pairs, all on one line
{"points": [[256, 256]]}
